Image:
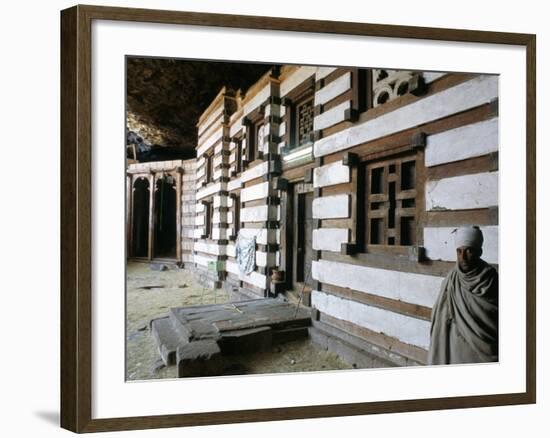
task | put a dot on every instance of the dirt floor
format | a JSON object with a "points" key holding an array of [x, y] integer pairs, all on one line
{"points": [[151, 293]]}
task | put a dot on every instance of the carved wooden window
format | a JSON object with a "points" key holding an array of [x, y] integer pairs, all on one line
{"points": [[299, 115], [209, 163], [208, 214], [302, 127], [236, 211], [255, 139], [239, 167], [393, 201], [375, 87]]}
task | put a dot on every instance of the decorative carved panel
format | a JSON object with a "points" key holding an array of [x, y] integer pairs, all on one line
{"points": [[390, 84]]}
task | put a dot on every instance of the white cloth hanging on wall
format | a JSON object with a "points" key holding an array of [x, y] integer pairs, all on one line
{"points": [[246, 253]]}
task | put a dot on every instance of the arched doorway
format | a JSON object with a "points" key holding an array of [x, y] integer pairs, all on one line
{"points": [[165, 228], [140, 218]]}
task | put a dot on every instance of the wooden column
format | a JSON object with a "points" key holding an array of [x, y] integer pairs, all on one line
{"points": [[152, 180], [129, 213], [178, 213]]}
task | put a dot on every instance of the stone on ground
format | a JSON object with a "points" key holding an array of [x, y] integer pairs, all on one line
{"points": [[199, 359]]}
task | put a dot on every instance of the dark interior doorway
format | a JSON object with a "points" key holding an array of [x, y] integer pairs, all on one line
{"points": [[140, 216], [165, 218], [304, 230], [298, 250]]}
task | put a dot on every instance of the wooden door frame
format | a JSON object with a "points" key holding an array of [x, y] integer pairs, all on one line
{"points": [[289, 236]]}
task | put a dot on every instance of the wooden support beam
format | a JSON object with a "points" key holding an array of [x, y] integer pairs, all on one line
{"points": [[417, 85], [273, 119], [285, 101], [417, 254], [275, 167], [275, 72], [349, 248], [350, 159], [418, 140], [281, 184], [351, 115], [319, 84], [493, 105]]}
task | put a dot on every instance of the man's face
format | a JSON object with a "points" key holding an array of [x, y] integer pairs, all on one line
{"points": [[467, 257]]}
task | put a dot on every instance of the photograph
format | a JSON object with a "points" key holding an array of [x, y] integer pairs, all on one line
{"points": [[275, 219], [285, 218]]}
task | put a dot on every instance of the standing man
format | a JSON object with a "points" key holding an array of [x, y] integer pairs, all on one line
{"points": [[465, 316]]}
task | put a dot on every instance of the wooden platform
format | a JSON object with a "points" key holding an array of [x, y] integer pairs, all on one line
{"points": [[197, 337]]}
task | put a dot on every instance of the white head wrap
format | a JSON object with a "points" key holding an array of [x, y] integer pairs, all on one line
{"points": [[469, 236]]}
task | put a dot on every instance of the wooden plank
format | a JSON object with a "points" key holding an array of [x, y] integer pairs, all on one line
{"points": [[246, 340], [480, 216], [336, 223], [485, 163], [412, 331], [388, 260], [464, 96], [417, 354], [402, 140], [345, 97], [275, 321], [408, 309], [398, 285], [254, 182], [210, 142], [370, 113], [292, 174], [210, 120]]}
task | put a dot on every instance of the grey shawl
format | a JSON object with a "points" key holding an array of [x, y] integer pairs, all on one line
{"points": [[465, 318], [246, 254]]}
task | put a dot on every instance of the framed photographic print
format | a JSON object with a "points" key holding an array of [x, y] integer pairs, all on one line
{"points": [[268, 218]]}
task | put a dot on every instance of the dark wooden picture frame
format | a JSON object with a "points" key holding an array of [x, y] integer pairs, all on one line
{"points": [[76, 218]]}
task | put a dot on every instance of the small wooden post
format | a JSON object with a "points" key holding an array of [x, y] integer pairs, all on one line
{"points": [[151, 216]]}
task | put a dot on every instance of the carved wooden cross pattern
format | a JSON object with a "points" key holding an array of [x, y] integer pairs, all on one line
{"points": [[304, 121], [391, 202]]}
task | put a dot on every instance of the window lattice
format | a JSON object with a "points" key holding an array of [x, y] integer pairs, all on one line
{"points": [[305, 121], [391, 202]]}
